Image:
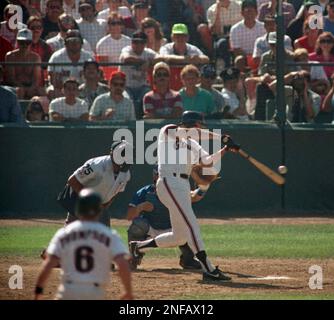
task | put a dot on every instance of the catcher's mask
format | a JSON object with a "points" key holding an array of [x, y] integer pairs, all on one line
{"points": [[89, 203]]}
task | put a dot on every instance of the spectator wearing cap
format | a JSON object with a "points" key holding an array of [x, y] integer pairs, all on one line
{"points": [[328, 20], [141, 59], [72, 53], [54, 8], [215, 35], [140, 10], [109, 48], [270, 7], [114, 6], [195, 98], [295, 27], [26, 78], [244, 33], [91, 88], [234, 94], [261, 44], [6, 29], [69, 107], [267, 74], [179, 51], [91, 28], [162, 102], [113, 105], [10, 110], [65, 23], [208, 77]]}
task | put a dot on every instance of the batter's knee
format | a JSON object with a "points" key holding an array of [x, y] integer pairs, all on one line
{"points": [[138, 230]]}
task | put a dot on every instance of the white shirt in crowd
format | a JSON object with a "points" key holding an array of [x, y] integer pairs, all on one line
{"points": [[135, 76], [228, 16], [70, 245], [92, 31], [177, 158], [244, 38], [122, 11], [57, 42], [67, 71], [261, 45], [168, 49], [98, 174], [75, 111], [107, 46], [232, 100]]}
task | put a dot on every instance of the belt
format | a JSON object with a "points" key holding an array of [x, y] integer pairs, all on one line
{"points": [[181, 175], [88, 283]]}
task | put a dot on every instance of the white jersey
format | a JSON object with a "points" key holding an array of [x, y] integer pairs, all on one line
{"points": [[86, 251], [98, 174], [177, 153]]}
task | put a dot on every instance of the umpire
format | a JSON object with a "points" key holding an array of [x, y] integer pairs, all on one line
{"points": [[151, 218], [107, 175]]}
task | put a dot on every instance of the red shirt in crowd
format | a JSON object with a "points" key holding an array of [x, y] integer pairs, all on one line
{"points": [[304, 44], [329, 70], [5, 47]]}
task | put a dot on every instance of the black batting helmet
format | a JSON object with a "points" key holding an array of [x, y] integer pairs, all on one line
{"points": [[89, 203], [190, 118]]}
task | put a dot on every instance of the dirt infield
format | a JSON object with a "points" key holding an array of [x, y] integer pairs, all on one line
{"points": [[167, 281], [162, 278]]}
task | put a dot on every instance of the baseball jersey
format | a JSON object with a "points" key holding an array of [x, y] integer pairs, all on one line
{"points": [[177, 154], [86, 250], [159, 217], [98, 174]]}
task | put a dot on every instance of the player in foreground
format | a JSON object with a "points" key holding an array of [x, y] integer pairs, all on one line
{"points": [[177, 154], [150, 218], [85, 250], [107, 175]]}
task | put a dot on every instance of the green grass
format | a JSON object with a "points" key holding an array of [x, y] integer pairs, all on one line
{"points": [[253, 241]]}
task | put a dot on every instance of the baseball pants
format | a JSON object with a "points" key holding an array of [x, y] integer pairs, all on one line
{"points": [[80, 291]]}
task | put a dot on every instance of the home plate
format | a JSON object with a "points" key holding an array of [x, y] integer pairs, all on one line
{"points": [[273, 278]]}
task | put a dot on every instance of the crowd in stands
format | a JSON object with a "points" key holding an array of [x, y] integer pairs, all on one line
{"points": [[104, 60]]}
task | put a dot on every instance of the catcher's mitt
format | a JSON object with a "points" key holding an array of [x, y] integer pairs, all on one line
{"points": [[203, 176]]}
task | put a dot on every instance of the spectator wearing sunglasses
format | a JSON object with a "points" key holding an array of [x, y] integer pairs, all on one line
{"points": [[324, 52], [91, 28], [54, 8], [162, 102], [109, 48], [113, 105]]}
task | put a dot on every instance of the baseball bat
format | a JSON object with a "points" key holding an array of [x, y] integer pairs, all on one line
{"points": [[272, 175]]}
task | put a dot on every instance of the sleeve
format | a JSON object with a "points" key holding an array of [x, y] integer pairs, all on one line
{"points": [[52, 60], [54, 247], [287, 43], [147, 104], [139, 197], [125, 53], [257, 51], [86, 173], [210, 15], [211, 103], [234, 39], [316, 99], [117, 246], [120, 184], [164, 50], [95, 110], [199, 154], [132, 111], [53, 106], [84, 106]]}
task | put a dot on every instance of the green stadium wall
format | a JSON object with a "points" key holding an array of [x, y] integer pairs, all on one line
{"points": [[36, 161]]}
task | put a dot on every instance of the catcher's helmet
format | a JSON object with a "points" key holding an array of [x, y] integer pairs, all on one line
{"points": [[190, 118], [89, 203]]}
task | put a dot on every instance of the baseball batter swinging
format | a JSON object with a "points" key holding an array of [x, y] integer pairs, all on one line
{"points": [[173, 189]]}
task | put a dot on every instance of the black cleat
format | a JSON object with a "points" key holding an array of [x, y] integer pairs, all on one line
{"points": [[215, 275], [189, 264], [136, 256]]}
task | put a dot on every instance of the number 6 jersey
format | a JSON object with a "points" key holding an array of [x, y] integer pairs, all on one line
{"points": [[86, 251]]}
